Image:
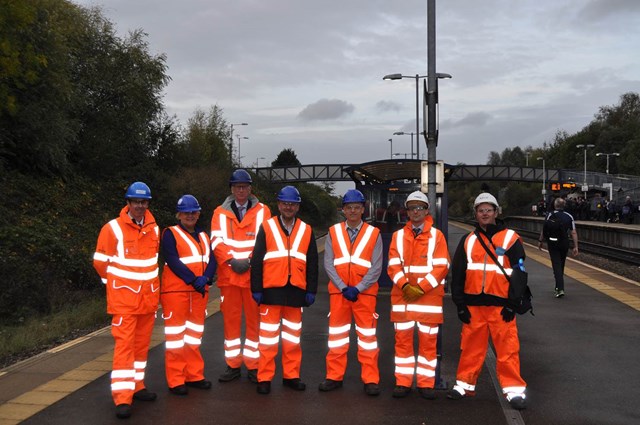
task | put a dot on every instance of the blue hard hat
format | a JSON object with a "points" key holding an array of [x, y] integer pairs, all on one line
{"points": [[188, 203], [240, 176], [138, 190], [289, 194], [353, 196]]}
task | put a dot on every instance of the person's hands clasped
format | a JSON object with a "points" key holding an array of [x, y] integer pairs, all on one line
{"points": [[240, 266], [411, 292]]}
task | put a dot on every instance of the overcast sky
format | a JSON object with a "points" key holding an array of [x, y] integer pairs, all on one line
{"points": [[307, 75]]}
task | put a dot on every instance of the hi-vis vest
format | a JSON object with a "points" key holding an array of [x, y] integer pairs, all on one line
{"points": [[193, 253], [483, 274], [352, 263], [126, 258], [422, 261], [233, 239], [285, 258]]}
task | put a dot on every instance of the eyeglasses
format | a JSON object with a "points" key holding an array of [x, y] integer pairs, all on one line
{"points": [[485, 210], [241, 187], [417, 208], [352, 207], [143, 202]]}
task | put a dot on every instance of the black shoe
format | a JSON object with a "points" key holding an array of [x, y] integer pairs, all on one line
{"points": [[518, 403], [252, 374], [371, 389], [428, 393], [330, 385], [294, 383], [179, 390], [264, 387], [400, 391], [123, 411], [144, 395], [202, 384], [453, 394], [229, 374]]}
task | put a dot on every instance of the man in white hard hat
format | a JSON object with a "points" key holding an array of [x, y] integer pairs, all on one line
{"points": [[480, 291], [418, 266]]}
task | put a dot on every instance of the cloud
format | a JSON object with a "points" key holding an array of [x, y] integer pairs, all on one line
{"points": [[326, 109], [474, 119], [388, 106]]}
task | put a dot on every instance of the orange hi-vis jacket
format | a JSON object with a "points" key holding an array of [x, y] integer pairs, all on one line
{"points": [[233, 239], [285, 259], [193, 253], [126, 259], [483, 274], [352, 263], [422, 261]]}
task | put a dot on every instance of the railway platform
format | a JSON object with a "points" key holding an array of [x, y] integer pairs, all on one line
{"points": [[578, 356]]}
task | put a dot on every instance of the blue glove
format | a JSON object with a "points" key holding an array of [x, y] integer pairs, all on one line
{"points": [[257, 297], [309, 298], [350, 293], [500, 250], [199, 284]]}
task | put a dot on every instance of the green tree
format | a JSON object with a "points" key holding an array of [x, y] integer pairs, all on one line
{"points": [[286, 157], [206, 136]]}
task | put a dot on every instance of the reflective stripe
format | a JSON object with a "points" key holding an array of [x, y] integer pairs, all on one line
{"points": [[345, 256], [425, 372], [252, 354], [282, 251], [403, 326], [132, 275], [295, 326], [464, 386], [424, 308], [270, 327], [195, 327], [269, 340], [250, 343], [431, 363], [338, 342], [139, 365], [367, 345], [366, 331], [172, 345], [291, 338], [404, 370], [98, 256], [174, 330], [139, 376], [337, 330], [122, 373], [428, 329], [404, 360], [232, 353], [232, 342], [123, 385], [188, 339]]}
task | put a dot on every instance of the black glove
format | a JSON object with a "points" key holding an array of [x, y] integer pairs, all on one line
{"points": [[240, 266], [350, 293], [464, 314], [199, 284], [507, 314]]}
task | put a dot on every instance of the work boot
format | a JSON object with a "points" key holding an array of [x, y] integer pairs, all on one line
{"points": [[428, 393], [144, 395], [329, 385], [123, 411], [264, 387], [371, 389], [202, 384], [252, 374], [229, 374], [559, 293], [400, 391], [518, 403], [179, 390], [294, 383], [453, 394]]}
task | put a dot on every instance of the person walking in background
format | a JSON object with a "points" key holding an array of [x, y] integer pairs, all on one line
{"points": [[480, 291], [627, 210], [284, 279], [418, 266], [126, 258], [234, 226], [556, 229], [353, 262], [187, 273]]}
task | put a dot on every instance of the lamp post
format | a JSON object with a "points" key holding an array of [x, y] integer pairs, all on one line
{"points": [[239, 157], [544, 177], [231, 140], [391, 151], [527, 155], [402, 133], [417, 77], [607, 155], [585, 188], [258, 161]]}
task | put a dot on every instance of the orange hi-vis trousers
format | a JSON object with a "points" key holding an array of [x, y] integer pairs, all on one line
{"points": [[183, 314], [405, 359], [233, 300], [132, 336], [487, 321], [340, 315], [272, 317]]}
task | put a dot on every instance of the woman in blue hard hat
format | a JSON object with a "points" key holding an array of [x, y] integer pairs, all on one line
{"points": [[284, 279], [188, 270]]}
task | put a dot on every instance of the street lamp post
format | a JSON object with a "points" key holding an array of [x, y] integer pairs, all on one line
{"points": [[527, 155], [544, 177], [258, 161], [239, 157], [231, 140], [417, 77], [402, 133], [607, 155], [585, 188]]}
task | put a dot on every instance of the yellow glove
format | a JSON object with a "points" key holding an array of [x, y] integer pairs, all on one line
{"points": [[411, 292]]}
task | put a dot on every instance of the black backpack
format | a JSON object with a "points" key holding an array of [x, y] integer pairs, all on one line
{"points": [[553, 230]]}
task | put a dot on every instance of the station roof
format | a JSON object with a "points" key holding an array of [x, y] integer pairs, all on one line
{"points": [[385, 171]]}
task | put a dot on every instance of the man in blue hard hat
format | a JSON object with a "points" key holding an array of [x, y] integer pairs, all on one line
{"points": [[284, 279], [234, 226], [353, 262]]}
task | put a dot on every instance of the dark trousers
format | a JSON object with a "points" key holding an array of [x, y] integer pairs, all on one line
{"points": [[558, 257]]}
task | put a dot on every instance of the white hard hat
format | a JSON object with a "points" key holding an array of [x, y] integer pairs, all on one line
{"points": [[486, 198], [417, 196]]}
